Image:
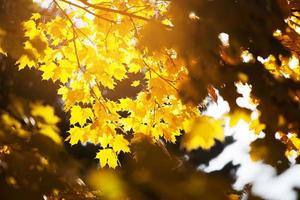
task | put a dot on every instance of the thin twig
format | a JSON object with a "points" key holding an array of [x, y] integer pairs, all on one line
{"points": [[163, 78], [111, 10], [122, 12], [88, 11], [74, 33]]}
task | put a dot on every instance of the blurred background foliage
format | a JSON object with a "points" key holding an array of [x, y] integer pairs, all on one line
{"points": [[36, 165]]}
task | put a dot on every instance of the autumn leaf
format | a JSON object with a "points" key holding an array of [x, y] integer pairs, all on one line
{"points": [[80, 115], [120, 144], [48, 71], [238, 115], [135, 83], [50, 132], [296, 142], [107, 157], [256, 126], [45, 112], [24, 61], [201, 133], [76, 135]]}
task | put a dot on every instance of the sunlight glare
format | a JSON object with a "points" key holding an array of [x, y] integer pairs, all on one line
{"points": [[224, 38]]}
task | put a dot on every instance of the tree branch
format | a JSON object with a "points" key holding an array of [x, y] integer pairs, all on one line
{"points": [[88, 11]]}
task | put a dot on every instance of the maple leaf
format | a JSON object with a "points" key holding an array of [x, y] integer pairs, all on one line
{"points": [[44, 112], [51, 132], [202, 132], [24, 61], [238, 115], [134, 68], [31, 30], [120, 144], [76, 135], [296, 142], [135, 83], [107, 81], [80, 115], [256, 126], [35, 16], [105, 140], [48, 70], [107, 157], [116, 70]]}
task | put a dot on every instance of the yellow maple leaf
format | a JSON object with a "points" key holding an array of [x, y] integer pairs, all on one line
{"points": [[80, 115], [107, 81], [31, 30], [51, 132], [117, 70], [24, 61], [48, 70], [296, 142], [109, 183], [35, 16], [238, 115], [105, 140], [134, 68], [256, 126], [44, 112], [76, 135], [201, 132], [107, 157], [119, 144], [135, 83]]}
